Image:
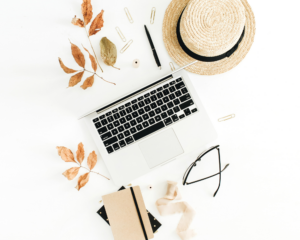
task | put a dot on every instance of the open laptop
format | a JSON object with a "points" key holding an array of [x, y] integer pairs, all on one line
{"points": [[150, 127]]}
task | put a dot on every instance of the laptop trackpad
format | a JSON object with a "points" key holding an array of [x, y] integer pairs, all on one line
{"points": [[161, 148]]}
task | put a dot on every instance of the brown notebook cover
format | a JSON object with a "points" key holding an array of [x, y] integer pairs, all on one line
{"points": [[127, 215]]}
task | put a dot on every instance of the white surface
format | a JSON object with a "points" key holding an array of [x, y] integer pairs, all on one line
{"points": [[259, 196]]}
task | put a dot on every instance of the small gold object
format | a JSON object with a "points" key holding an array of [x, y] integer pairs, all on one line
{"points": [[128, 15], [226, 118], [126, 46], [121, 34], [153, 11], [172, 66], [100, 201]]}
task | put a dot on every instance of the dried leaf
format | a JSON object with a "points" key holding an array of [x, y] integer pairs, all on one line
{"points": [[97, 24], [75, 79], [77, 22], [82, 180], [88, 82], [66, 154], [78, 55], [87, 11], [108, 52], [93, 60], [66, 69], [92, 160], [71, 173], [80, 153]]}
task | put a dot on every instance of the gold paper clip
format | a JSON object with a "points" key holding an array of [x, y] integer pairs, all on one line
{"points": [[121, 34], [172, 66], [128, 15], [126, 46], [153, 11], [226, 118]]}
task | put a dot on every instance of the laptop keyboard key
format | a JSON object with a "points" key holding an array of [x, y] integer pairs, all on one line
{"points": [[114, 131], [187, 112], [147, 101], [172, 96], [135, 114], [157, 111], [134, 101], [157, 118], [178, 94], [153, 105], [139, 127], [166, 99], [129, 140], [95, 120], [120, 136], [122, 120], [122, 143], [152, 113], [127, 104], [133, 130], [121, 129], [109, 149], [182, 116], [129, 110], [168, 121], [151, 121], [159, 102], [108, 114], [117, 116], [172, 89], [164, 107], [179, 85], [141, 111], [148, 131], [110, 126], [159, 89], [185, 98], [145, 116], [153, 92], [110, 119], [139, 119], [175, 118], [164, 115], [176, 101], [141, 98], [110, 141], [159, 95], [141, 104], [115, 110], [102, 117], [123, 113], [106, 136], [102, 130], [186, 104], [147, 95], [128, 117], [116, 146], [126, 133], [166, 86], [178, 80], [133, 123], [147, 108], [122, 107], [166, 92], [104, 122], [145, 124], [98, 124], [116, 123], [153, 98], [170, 105], [194, 110], [184, 91], [135, 107], [127, 125], [170, 112], [176, 109]]}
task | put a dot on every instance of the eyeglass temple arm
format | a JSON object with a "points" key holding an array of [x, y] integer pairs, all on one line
{"points": [[209, 176]]}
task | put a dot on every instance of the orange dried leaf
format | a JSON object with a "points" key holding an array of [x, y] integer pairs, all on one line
{"points": [[88, 82], [77, 22], [66, 69], [93, 60], [71, 173], [80, 153], [75, 79], [66, 154], [97, 24], [82, 180], [87, 11], [78, 55], [92, 160]]}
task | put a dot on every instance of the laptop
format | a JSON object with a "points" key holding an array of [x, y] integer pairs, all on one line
{"points": [[150, 127]]}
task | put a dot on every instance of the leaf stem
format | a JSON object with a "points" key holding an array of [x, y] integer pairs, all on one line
{"points": [[92, 46], [100, 77], [116, 68], [92, 171]]}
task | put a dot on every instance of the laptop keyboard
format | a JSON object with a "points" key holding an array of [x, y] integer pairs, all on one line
{"points": [[144, 115]]}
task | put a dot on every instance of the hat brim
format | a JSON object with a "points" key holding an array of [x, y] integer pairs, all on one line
{"points": [[172, 15]]}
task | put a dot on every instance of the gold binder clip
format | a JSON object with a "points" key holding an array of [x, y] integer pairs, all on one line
{"points": [[172, 66], [153, 11], [129, 185], [126, 46], [226, 118], [121, 34], [128, 15]]}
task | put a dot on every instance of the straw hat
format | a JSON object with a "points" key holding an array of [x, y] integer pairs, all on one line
{"points": [[218, 33]]}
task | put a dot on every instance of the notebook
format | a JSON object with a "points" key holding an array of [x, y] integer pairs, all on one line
{"points": [[155, 224], [127, 215]]}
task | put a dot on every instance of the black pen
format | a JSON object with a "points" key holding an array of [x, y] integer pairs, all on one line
{"points": [[153, 48]]}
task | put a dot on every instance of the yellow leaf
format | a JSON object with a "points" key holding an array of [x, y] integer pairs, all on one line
{"points": [[75, 79], [93, 60], [71, 173], [88, 82], [80, 153], [77, 22], [97, 24], [66, 154], [82, 180], [66, 69], [78, 55], [92, 160], [87, 11]]}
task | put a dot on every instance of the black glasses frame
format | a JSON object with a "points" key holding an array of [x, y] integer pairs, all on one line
{"points": [[189, 169]]}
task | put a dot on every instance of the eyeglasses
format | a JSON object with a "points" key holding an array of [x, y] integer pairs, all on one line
{"points": [[194, 164]]}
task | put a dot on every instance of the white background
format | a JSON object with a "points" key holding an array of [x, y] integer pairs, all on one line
{"points": [[259, 195]]}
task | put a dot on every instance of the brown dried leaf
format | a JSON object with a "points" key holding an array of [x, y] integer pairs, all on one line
{"points": [[97, 24], [77, 22], [66, 154], [87, 11], [82, 180], [92, 160], [93, 60], [88, 82], [66, 69], [71, 173], [78, 55], [75, 79], [80, 153], [108, 51]]}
